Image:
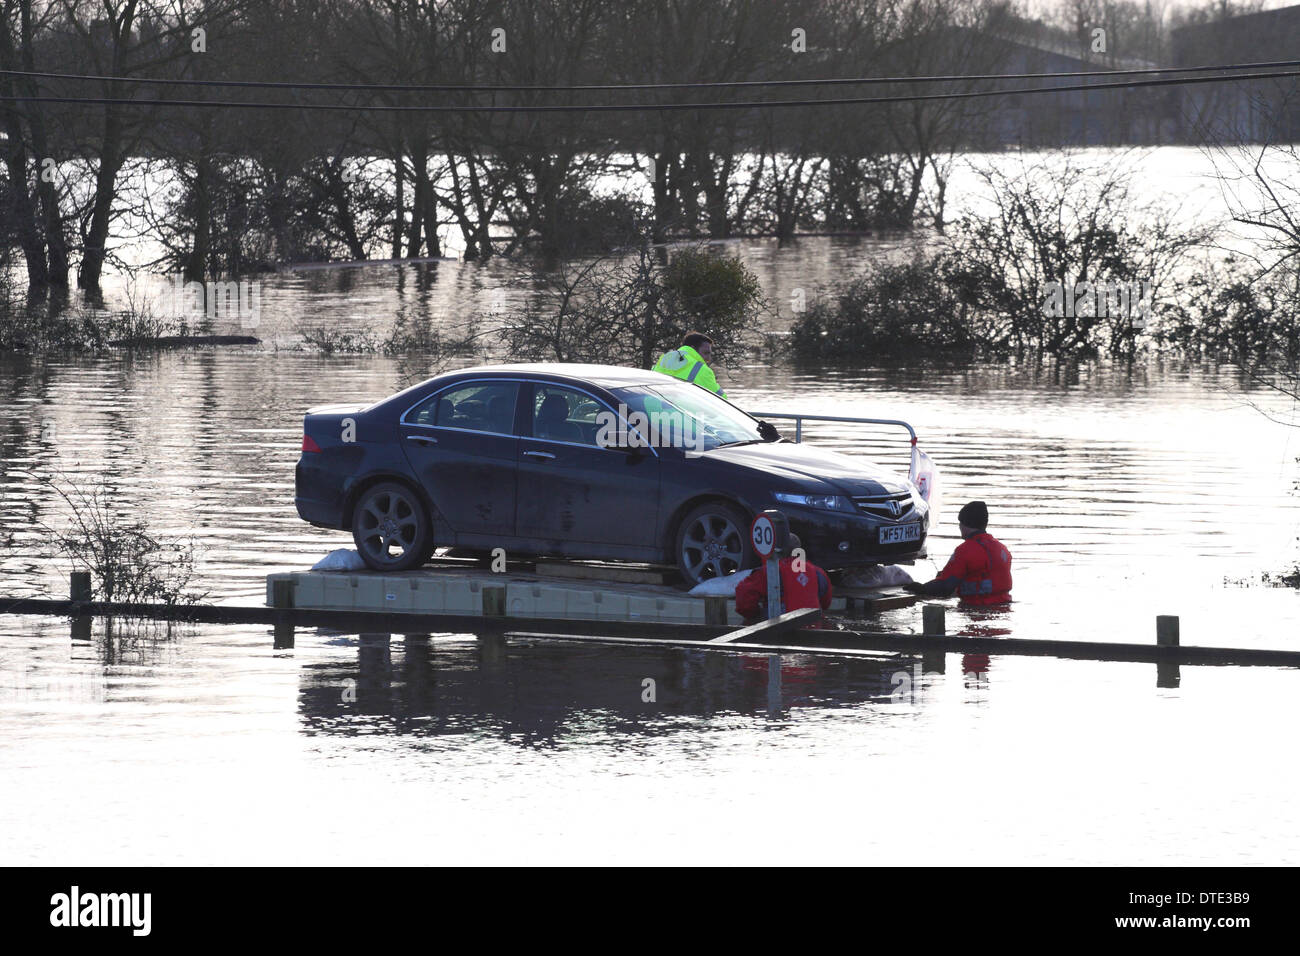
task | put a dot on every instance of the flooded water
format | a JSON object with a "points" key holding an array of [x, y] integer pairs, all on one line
{"points": [[1122, 495]]}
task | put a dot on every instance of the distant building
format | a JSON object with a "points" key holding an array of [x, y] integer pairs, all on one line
{"points": [[1083, 117], [1235, 111], [1252, 111], [1086, 117]]}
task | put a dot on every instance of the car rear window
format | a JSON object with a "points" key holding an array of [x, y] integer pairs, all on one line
{"points": [[480, 407]]}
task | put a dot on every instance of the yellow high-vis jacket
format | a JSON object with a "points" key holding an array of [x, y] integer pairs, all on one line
{"points": [[688, 365]]}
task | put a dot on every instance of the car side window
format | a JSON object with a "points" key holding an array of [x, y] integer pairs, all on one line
{"points": [[565, 414], [480, 407]]}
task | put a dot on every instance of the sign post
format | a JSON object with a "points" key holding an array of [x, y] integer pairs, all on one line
{"points": [[770, 534]]}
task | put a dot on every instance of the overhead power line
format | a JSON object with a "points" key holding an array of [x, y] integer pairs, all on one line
{"points": [[608, 87], [650, 107]]}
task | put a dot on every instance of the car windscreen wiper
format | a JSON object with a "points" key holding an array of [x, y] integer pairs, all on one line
{"points": [[747, 441]]}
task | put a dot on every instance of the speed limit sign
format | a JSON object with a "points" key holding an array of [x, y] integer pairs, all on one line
{"points": [[769, 533], [763, 534]]}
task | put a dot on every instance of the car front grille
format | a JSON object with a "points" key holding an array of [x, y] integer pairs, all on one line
{"points": [[890, 507]]}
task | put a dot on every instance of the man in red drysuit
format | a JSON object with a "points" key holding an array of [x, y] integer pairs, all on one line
{"points": [[979, 571], [806, 587]]}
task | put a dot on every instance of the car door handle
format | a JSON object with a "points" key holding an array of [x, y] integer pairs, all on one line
{"points": [[540, 454], [423, 439]]}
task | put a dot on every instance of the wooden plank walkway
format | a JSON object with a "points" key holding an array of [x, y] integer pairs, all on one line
{"points": [[459, 590], [782, 626], [857, 644], [354, 622], [806, 640]]}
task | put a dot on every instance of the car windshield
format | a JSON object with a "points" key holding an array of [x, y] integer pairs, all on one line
{"points": [[678, 414]]}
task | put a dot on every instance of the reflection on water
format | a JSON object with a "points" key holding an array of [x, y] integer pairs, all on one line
{"points": [[531, 693], [205, 745]]}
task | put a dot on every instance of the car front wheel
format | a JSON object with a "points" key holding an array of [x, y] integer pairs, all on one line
{"points": [[712, 542], [391, 528]]}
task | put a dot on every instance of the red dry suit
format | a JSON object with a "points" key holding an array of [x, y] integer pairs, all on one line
{"points": [[981, 566], [799, 589]]}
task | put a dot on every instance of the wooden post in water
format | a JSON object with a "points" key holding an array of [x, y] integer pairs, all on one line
{"points": [[79, 590], [1167, 674], [774, 685], [715, 611], [374, 668], [494, 601], [492, 647], [282, 597], [933, 625]]}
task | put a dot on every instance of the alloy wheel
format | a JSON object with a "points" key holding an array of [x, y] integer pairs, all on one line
{"points": [[388, 526], [712, 547]]}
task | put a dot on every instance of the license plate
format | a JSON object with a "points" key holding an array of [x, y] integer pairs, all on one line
{"points": [[900, 533]]}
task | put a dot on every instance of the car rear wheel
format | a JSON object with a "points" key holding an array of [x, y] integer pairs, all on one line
{"points": [[391, 528], [712, 542]]}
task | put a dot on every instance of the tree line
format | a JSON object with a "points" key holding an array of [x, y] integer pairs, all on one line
{"points": [[228, 190]]}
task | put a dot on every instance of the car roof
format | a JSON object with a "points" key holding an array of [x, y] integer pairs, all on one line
{"points": [[609, 376]]}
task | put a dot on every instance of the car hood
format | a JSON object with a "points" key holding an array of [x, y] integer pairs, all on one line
{"points": [[802, 463]]}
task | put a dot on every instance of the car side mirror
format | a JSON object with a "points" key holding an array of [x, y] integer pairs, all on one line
{"points": [[767, 431]]}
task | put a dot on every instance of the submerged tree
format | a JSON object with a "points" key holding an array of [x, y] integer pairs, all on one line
{"points": [[1256, 301], [629, 308], [127, 560], [1055, 246], [1061, 263]]}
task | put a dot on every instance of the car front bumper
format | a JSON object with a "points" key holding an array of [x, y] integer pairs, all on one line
{"points": [[835, 539]]}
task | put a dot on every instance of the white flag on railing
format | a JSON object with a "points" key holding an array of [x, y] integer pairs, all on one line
{"points": [[925, 475]]}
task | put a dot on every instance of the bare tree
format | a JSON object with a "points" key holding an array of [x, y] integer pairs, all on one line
{"points": [[41, 231]]}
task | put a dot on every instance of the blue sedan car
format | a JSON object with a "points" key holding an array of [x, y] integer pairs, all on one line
{"points": [[588, 462]]}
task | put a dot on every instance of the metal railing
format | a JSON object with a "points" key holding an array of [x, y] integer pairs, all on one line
{"points": [[800, 419]]}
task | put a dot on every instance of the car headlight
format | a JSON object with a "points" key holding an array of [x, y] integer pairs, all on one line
{"points": [[821, 502]]}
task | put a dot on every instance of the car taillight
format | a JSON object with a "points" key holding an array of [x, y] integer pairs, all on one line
{"points": [[309, 444]]}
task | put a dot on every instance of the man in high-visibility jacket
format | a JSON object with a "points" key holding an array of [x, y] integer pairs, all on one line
{"points": [[690, 362], [979, 571], [808, 586]]}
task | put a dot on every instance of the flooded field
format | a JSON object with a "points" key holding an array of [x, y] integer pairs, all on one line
{"points": [[211, 748], [1121, 493], [1122, 496]]}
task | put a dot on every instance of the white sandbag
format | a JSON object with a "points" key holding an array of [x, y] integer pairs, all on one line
{"points": [[719, 587], [342, 559], [897, 575], [875, 576]]}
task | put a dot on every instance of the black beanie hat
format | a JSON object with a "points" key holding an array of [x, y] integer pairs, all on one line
{"points": [[975, 514]]}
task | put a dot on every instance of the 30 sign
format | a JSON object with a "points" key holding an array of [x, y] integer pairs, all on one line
{"points": [[769, 533], [763, 534]]}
